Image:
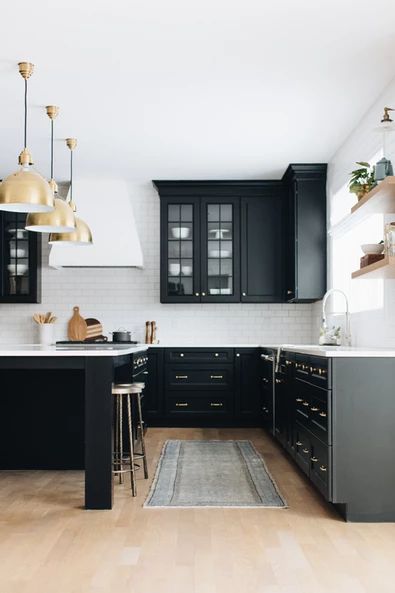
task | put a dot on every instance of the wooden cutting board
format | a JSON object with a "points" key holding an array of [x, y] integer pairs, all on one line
{"points": [[77, 328], [94, 329]]}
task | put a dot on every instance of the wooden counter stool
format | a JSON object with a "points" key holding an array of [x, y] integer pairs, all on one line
{"points": [[125, 391]]}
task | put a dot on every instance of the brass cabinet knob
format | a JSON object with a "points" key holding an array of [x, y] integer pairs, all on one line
{"points": [[181, 354], [305, 450], [244, 294], [314, 409], [323, 414], [323, 468], [203, 294], [314, 459], [238, 354], [216, 354], [306, 404], [289, 292], [299, 400], [197, 293], [299, 443]]}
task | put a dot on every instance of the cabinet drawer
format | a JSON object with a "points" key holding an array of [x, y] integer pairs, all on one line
{"points": [[181, 404], [302, 447], [320, 468], [314, 370], [199, 377], [312, 410], [185, 355]]}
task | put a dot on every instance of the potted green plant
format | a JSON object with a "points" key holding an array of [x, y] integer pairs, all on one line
{"points": [[362, 179]]}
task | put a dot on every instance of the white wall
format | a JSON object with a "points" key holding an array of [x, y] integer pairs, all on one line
{"points": [[127, 297], [372, 300]]}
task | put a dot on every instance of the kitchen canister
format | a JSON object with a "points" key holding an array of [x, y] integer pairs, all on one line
{"points": [[46, 333]]}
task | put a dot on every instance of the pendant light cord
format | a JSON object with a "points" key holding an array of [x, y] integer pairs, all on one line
{"points": [[71, 175], [25, 132], [51, 148]]}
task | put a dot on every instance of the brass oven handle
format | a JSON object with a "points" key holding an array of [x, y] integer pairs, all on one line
{"points": [[216, 376], [314, 459], [216, 405], [323, 468], [181, 405], [181, 376]]}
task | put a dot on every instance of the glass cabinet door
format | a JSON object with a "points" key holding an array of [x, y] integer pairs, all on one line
{"points": [[179, 269], [19, 254], [220, 236]]}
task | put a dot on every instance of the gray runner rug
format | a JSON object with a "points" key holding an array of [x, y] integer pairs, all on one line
{"points": [[212, 474]]}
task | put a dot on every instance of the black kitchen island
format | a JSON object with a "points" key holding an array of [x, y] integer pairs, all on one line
{"points": [[31, 378]]}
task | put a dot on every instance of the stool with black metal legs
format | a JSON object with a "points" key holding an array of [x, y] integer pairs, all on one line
{"points": [[124, 462]]}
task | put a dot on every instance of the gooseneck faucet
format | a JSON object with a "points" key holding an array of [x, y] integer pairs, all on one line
{"points": [[324, 333]]}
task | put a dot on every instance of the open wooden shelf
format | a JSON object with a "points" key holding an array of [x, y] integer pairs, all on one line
{"points": [[381, 200], [385, 268]]}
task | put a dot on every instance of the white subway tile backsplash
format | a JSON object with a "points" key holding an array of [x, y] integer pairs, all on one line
{"points": [[124, 297]]}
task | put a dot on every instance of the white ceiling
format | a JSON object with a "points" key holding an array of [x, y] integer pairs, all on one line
{"points": [[192, 89]]}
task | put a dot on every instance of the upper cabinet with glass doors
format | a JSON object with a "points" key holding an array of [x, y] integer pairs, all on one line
{"points": [[230, 241], [20, 257]]}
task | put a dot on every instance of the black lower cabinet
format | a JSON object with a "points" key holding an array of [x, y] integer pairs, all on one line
{"points": [[153, 404], [203, 387], [248, 410]]}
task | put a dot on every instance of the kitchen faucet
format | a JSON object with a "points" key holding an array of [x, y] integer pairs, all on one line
{"points": [[334, 336]]}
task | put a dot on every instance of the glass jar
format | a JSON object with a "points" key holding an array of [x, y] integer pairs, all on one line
{"points": [[389, 238]]}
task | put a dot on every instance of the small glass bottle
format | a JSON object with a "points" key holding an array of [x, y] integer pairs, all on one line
{"points": [[389, 238]]}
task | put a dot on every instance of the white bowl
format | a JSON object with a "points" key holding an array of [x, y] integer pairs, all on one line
{"points": [[174, 269], [219, 253], [18, 270], [370, 248], [17, 252], [186, 270], [181, 232], [18, 233]]}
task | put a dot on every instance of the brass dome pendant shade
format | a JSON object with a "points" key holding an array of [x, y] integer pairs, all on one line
{"points": [[82, 234], [26, 190], [61, 219]]}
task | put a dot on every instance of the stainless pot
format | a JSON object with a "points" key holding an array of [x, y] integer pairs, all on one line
{"points": [[121, 335]]}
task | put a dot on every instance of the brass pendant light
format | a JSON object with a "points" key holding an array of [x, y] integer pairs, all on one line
{"points": [[61, 219], [26, 190], [82, 234]]}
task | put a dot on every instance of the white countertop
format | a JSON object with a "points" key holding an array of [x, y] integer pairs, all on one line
{"points": [[311, 349], [69, 350]]}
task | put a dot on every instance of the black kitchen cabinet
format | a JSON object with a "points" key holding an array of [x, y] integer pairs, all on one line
{"points": [[305, 233], [153, 403], [266, 377], [20, 260], [221, 241], [248, 409], [262, 246]]}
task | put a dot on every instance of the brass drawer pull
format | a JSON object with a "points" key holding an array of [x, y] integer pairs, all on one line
{"points": [[323, 414], [305, 450], [181, 376], [216, 376], [299, 443], [323, 468], [314, 459], [314, 409], [216, 405], [181, 405]]}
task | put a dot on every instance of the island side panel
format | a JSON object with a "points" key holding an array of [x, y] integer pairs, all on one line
{"points": [[364, 437], [98, 432]]}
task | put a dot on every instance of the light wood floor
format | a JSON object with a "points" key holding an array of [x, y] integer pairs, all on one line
{"points": [[49, 545]]}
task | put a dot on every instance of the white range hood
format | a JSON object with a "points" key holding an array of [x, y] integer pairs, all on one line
{"points": [[105, 205]]}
